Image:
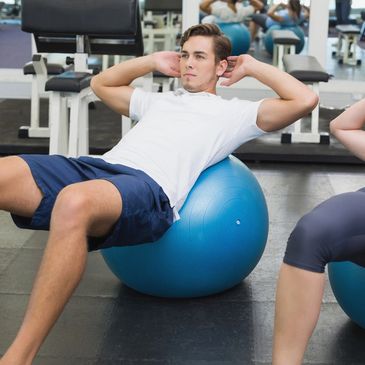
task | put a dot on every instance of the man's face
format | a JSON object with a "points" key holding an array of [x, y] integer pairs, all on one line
{"points": [[199, 71]]}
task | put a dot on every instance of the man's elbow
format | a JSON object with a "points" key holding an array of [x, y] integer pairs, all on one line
{"points": [[311, 101], [333, 128], [94, 84]]}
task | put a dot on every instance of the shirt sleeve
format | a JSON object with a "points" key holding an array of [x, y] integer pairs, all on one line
{"points": [[250, 119], [245, 122], [241, 127], [141, 100]]}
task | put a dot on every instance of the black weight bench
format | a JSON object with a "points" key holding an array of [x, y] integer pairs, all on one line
{"points": [[308, 70], [284, 43], [110, 27]]}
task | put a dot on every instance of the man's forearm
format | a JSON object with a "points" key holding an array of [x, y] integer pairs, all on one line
{"points": [[351, 119], [125, 73], [286, 86], [296, 99]]}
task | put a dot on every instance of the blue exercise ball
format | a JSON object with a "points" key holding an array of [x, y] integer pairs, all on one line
{"points": [[348, 285], [239, 36], [269, 44], [217, 242]]}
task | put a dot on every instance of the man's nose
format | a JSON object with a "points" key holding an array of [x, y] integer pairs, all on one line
{"points": [[189, 62]]}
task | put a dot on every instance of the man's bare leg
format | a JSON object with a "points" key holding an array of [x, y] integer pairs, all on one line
{"points": [[88, 208], [298, 301], [18, 191]]}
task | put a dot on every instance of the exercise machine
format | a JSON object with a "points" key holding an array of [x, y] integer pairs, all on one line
{"points": [[85, 32]]}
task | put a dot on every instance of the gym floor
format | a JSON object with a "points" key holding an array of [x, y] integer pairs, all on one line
{"points": [[107, 323]]}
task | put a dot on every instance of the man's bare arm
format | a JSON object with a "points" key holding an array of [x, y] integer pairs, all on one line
{"points": [[112, 86], [295, 98]]}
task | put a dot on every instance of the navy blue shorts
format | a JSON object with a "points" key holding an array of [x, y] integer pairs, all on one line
{"points": [[146, 212]]}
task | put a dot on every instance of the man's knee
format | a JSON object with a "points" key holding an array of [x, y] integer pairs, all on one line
{"points": [[307, 246], [72, 208]]}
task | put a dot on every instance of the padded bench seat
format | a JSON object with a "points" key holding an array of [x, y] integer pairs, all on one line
{"points": [[305, 68], [52, 69], [348, 29], [69, 81], [282, 36]]}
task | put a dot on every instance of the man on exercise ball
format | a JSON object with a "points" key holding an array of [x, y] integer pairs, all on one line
{"points": [[132, 194]]}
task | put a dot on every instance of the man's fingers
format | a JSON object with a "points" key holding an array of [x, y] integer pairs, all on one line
{"points": [[225, 83], [227, 74]]}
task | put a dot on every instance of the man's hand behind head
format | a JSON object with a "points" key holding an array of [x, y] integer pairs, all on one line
{"points": [[238, 68], [167, 62]]}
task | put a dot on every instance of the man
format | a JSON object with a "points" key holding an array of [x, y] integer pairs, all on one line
{"points": [[333, 231], [133, 193]]}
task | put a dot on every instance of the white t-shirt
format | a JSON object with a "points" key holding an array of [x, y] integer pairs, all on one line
{"points": [[221, 12], [180, 134]]}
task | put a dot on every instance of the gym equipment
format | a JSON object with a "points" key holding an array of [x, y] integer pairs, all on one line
{"points": [[40, 70], [308, 70], [168, 14], [10, 11], [269, 43], [217, 242], [85, 32], [161, 26], [348, 284], [239, 36], [284, 43], [348, 37]]}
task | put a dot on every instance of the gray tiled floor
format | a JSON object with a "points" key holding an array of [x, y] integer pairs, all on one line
{"points": [[107, 323]]}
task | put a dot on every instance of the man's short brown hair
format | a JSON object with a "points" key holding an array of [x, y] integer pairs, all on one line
{"points": [[222, 45]]}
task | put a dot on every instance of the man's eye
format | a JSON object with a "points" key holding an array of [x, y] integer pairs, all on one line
{"points": [[184, 55]]}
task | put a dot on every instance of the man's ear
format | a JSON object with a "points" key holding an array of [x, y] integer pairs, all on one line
{"points": [[222, 67]]}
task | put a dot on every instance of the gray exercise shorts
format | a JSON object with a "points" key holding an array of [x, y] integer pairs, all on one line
{"points": [[332, 231]]}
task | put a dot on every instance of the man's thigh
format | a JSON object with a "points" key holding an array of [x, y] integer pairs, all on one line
{"points": [[19, 192]]}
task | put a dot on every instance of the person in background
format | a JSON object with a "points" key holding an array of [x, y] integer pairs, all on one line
{"points": [[343, 10], [230, 11], [290, 14]]}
